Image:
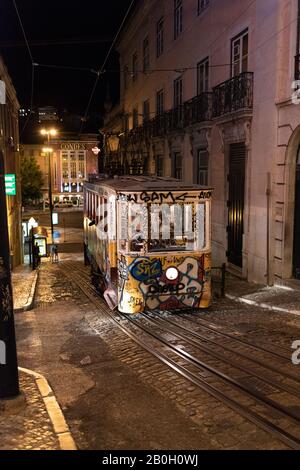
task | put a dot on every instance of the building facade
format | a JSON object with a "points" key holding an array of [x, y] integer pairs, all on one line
{"points": [[206, 97], [71, 161], [9, 146]]}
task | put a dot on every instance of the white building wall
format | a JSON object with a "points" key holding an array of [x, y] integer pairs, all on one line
{"points": [[269, 132]]}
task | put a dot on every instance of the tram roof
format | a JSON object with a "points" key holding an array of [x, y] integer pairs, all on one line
{"points": [[145, 183]]}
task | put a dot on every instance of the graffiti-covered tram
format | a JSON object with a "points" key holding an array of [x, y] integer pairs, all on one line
{"points": [[148, 240]]}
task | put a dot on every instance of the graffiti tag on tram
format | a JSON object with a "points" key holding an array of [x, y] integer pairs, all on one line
{"points": [[157, 197], [144, 269], [170, 289]]}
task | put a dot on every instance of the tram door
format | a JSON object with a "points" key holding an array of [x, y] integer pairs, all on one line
{"points": [[236, 200], [296, 257]]}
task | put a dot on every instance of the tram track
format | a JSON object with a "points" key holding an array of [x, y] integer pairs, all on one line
{"points": [[212, 326], [265, 412], [225, 347], [215, 329], [233, 362]]}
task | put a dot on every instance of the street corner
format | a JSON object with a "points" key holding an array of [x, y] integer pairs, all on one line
{"points": [[33, 420]]}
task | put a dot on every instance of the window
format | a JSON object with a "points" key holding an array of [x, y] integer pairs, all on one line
{"points": [[240, 49], [65, 166], [81, 169], [146, 110], [160, 37], [202, 167], [134, 67], [202, 5], [146, 55], [160, 102], [135, 118], [178, 92], [177, 165], [175, 227], [73, 169], [177, 18], [159, 165], [203, 76]]}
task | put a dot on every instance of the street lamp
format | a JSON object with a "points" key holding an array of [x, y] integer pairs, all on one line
{"points": [[50, 133]]}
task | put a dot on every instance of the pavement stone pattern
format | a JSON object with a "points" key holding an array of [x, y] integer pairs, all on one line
{"points": [[226, 429], [215, 425], [23, 278], [283, 297], [31, 429]]}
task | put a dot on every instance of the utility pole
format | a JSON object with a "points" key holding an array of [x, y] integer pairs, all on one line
{"points": [[9, 377], [48, 150], [50, 192]]}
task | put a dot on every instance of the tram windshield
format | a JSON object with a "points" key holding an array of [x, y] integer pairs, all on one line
{"points": [[163, 227]]}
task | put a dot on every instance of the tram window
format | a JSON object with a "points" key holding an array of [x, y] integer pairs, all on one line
{"points": [[122, 225], [201, 221], [172, 227], [138, 226]]}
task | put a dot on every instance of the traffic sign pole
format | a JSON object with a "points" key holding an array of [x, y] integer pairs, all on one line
{"points": [[9, 377]]}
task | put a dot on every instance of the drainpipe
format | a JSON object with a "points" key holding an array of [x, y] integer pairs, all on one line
{"points": [[268, 194]]}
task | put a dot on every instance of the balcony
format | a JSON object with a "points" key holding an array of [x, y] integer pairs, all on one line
{"points": [[233, 95], [198, 109], [175, 119]]}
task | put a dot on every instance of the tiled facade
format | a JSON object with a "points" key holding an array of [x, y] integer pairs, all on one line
{"points": [[217, 90]]}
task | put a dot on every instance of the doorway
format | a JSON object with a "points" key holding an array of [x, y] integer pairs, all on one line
{"points": [[236, 202], [296, 252]]}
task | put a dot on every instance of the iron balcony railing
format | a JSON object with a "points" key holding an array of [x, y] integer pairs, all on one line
{"points": [[198, 109], [233, 95]]}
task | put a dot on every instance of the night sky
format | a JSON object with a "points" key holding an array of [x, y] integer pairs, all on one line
{"points": [[54, 23]]}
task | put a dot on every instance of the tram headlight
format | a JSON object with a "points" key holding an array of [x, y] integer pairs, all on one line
{"points": [[172, 274]]}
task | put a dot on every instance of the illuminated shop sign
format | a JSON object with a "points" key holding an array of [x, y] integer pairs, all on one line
{"points": [[10, 185], [73, 146]]}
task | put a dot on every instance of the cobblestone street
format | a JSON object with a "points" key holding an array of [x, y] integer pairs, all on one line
{"points": [[31, 429], [116, 395]]}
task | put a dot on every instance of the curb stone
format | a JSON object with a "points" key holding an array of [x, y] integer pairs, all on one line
{"points": [[54, 411], [262, 305], [29, 305]]}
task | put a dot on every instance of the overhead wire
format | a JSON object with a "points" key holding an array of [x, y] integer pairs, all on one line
{"points": [[102, 70], [33, 64], [103, 65]]}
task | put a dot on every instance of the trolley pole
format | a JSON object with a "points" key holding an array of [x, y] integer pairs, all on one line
{"points": [[9, 377]]}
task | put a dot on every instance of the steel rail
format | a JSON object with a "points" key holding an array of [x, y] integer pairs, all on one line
{"points": [[251, 392], [226, 324], [251, 345], [285, 388], [214, 330], [284, 436], [261, 363]]}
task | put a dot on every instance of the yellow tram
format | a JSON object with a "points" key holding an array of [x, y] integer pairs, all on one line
{"points": [[148, 240]]}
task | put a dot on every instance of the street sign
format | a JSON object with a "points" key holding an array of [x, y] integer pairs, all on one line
{"points": [[96, 150], [10, 185]]}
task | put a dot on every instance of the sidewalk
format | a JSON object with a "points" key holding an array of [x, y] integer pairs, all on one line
{"points": [[284, 298], [39, 424], [24, 282]]}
